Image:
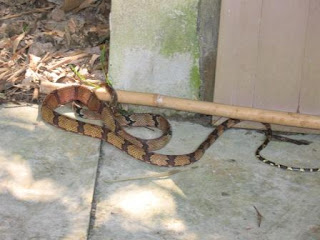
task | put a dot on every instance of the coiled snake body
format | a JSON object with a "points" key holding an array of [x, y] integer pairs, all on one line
{"points": [[113, 132]]}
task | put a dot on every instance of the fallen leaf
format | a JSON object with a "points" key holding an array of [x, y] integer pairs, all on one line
{"points": [[93, 59], [17, 41], [69, 5], [84, 4]]}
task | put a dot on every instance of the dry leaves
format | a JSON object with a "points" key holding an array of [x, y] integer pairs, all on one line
{"points": [[39, 44], [38, 10], [76, 5]]}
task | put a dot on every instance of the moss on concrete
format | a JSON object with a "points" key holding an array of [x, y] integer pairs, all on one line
{"points": [[166, 29], [195, 81], [181, 31], [181, 37]]}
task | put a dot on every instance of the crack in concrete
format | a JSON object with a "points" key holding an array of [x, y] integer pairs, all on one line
{"points": [[95, 195]]}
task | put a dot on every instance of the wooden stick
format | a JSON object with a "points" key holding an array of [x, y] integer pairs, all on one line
{"points": [[37, 10], [69, 59], [243, 113]]}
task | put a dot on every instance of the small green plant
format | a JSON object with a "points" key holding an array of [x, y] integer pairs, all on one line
{"points": [[81, 77], [103, 62], [25, 27]]}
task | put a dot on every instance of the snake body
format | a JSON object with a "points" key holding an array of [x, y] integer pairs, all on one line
{"points": [[113, 131]]}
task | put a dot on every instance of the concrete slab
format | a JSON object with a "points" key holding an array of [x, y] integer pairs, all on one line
{"points": [[213, 199], [47, 185], [46, 178]]}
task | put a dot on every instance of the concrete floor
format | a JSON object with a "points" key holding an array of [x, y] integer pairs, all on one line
{"points": [[59, 185]]}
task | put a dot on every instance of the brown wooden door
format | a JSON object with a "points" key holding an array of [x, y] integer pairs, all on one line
{"points": [[269, 55]]}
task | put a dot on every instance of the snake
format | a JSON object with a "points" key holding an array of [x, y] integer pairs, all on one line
{"points": [[114, 124]]}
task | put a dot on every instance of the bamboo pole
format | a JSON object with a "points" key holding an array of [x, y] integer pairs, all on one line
{"points": [[208, 108]]}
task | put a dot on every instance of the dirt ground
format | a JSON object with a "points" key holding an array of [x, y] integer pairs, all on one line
{"points": [[51, 41]]}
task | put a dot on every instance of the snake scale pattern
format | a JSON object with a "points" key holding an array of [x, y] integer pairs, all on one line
{"points": [[112, 130]]}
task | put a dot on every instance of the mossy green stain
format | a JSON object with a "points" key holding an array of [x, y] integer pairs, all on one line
{"points": [[181, 37], [195, 81], [181, 31], [171, 29]]}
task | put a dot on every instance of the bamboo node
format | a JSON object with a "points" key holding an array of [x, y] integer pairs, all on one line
{"points": [[159, 99]]}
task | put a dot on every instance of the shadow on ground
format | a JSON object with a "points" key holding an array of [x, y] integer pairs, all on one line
{"points": [[47, 182], [214, 198], [46, 178]]}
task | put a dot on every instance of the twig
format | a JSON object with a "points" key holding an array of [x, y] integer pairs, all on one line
{"points": [[259, 216], [68, 60], [290, 140], [37, 10], [17, 41], [17, 73], [35, 95]]}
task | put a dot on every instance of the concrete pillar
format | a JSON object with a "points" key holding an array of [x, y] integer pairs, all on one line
{"points": [[155, 46]]}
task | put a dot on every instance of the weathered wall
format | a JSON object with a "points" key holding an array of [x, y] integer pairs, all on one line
{"points": [[154, 47], [208, 29], [269, 55], [165, 46]]}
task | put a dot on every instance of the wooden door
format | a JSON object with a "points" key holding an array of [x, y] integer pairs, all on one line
{"points": [[269, 55]]}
